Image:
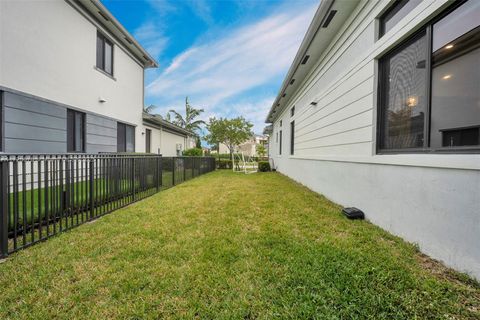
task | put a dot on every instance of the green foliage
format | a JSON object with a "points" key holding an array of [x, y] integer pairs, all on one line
{"points": [[198, 142], [224, 164], [261, 150], [263, 166], [193, 152], [231, 132], [189, 121]]}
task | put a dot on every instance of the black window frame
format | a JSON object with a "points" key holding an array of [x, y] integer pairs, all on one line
{"points": [[101, 64], [148, 140], [280, 143], [292, 137], [71, 131], [122, 137], [426, 29], [395, 7]]}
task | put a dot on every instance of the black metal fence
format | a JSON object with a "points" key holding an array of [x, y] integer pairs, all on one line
{"points": [[42, 195]]}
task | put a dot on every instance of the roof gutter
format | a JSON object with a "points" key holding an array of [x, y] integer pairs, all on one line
{"points": [[318, 19], [105, 12]]}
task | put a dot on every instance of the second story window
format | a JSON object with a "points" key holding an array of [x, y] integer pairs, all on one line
{"points": [[104, 54], [75, 131]]}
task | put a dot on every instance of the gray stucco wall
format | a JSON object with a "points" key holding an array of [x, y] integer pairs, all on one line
{"points": [[33, 125]]}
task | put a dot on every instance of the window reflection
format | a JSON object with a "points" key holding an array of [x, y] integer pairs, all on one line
{"points": [[455, 104]]}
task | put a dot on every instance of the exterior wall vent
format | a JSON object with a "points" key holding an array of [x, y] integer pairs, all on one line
{"points": [[305, 59], [292, 81], [329, 18]]}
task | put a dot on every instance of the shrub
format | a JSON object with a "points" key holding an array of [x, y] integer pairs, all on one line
{"points": [[224, 164], [263, 166], [194, 152]]}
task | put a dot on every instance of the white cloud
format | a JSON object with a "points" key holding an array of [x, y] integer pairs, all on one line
{"points": [[151, 37], [234, 62]]}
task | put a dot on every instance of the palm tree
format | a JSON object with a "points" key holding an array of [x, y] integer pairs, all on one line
{"points": [[190, 114], [149, 109]]}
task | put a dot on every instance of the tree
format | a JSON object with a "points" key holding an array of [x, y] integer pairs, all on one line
{"points": [[261, 150], [230, 132], [149, 109], [188, 122]]}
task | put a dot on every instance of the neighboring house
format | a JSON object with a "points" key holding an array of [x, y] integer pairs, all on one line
{"points": [[381, 110], [248, 148], [71, 79], [166, 138]]}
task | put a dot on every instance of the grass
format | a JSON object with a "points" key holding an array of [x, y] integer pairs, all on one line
{"points": [[231, 246], [79, 194]]}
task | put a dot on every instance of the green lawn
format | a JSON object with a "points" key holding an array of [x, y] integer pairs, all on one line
{"points": [[231, 246]]}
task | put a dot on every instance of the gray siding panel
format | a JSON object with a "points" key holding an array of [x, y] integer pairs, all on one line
{"points": [[34, 105], [35, 119], [33, 146], [101, 134], [33, 125], [20, 131]]}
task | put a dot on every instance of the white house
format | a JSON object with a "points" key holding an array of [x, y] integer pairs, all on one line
{"points": [[248, 148], [166, 138], [381, 110], [72, 80]]}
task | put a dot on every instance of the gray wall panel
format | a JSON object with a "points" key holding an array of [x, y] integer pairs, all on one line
{"points": [[102, 131], [103, 140], [101, 134], [33, 125], [93, 148], [17, 131], [101, 121], [35, 119], [33, 146], [34, 105]]}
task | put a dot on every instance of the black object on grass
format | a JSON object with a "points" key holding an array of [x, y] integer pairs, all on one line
{"points": [[353, 213]]}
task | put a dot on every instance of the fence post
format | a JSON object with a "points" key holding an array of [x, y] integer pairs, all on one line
{"points": [[184, 163], [160, 170], [91, 178], [173, 171], [157, 174], [4, 209], [133, 179]]}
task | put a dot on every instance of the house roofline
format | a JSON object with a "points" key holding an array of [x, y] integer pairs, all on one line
{"points": [[320, 15], [157, 121], [98, 11]]}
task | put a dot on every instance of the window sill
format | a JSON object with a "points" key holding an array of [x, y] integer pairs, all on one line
{"points": [[105, 73]]}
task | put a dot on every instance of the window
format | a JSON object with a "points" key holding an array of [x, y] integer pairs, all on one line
{"points": [[148, 139], [292, 111], [104, 54], [280, 145], [395, 13], [125, 138], [292, 137], [75, 131], [429, 89], [280, 123]]}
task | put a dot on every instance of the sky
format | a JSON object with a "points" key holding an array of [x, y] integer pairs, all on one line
{"points": [[229, 57]]}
